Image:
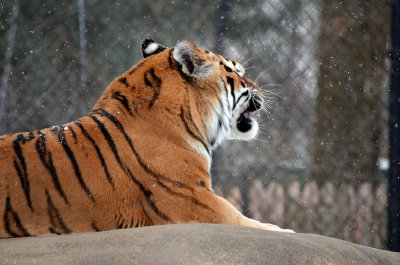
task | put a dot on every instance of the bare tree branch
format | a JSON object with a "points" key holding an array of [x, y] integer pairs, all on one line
{"points": [[7, 62], [82, 44]]}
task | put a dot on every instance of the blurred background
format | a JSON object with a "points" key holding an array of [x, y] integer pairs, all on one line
{"points": [[320, 163]]}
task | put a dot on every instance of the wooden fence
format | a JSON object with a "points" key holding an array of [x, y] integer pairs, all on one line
{"points": [[357, 214]]}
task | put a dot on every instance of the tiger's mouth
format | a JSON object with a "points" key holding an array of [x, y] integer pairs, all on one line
{"points": [[245, 121]]}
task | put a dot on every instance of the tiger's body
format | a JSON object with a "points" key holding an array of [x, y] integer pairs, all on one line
{"points": [[141, 157]]}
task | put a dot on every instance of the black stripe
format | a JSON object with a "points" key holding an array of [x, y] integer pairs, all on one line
{"points": [[10, 213], [126, 224], [154, 83], [54, 130], [190, 118], [147, 193], [146, 214], [99, 154], [123, 81], [73, 134], [212, 141], [53, 231], [158, 177], [55, 217], [22, 173], [219, 123], [21, 138], [71, 156], [47, 160], [232, 85], [95, 227], [109, 139], [31, 137], [119, 221], [229, 70], [136, 68], [183, 75], [121, 98], [170, 59], [246, 93], [191, 133], [227, 93]]}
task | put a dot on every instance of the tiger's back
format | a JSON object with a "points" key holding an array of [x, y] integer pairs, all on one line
{"points": [[54, 181], [142, 155]]}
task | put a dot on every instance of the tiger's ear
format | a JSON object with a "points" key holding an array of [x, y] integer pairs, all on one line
{"points": [[190, 59], [150, 47]]}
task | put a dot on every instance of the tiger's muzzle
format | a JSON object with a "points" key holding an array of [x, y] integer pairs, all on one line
{"points": [[244, 123]]}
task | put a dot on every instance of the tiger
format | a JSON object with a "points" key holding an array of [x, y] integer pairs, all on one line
{"points": [[142, 155]]}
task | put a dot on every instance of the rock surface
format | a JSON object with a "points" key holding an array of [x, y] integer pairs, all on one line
{"points": [[189, 244]]}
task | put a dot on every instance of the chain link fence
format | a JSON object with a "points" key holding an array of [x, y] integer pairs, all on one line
{"points": [[281, 43]]}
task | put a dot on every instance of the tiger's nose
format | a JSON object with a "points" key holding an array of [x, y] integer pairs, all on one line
{"points": [[255, 103]]}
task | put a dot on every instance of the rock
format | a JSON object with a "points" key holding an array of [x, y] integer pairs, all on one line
{"points": [[189, 244]]}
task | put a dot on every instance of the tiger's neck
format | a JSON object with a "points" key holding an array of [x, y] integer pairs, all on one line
{"points": [[170, 130]]}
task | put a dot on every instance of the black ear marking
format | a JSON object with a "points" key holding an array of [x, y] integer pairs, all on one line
{"points": [[188, 63], [150, 47]]}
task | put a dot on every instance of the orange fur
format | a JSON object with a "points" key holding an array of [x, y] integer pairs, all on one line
{"points": [[133, 161]]}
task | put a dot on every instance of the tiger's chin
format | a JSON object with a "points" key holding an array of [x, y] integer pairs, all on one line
{"points": [[244, 128]]}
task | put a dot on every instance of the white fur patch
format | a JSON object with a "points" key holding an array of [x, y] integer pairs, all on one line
{"points": [[200, 149], [181, 48], [240, 69], [230, 64], [151, 48], [217, 132], [247, 136]]}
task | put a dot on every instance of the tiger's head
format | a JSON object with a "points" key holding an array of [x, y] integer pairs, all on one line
{"points": [[209, 92], [231, 99]]}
